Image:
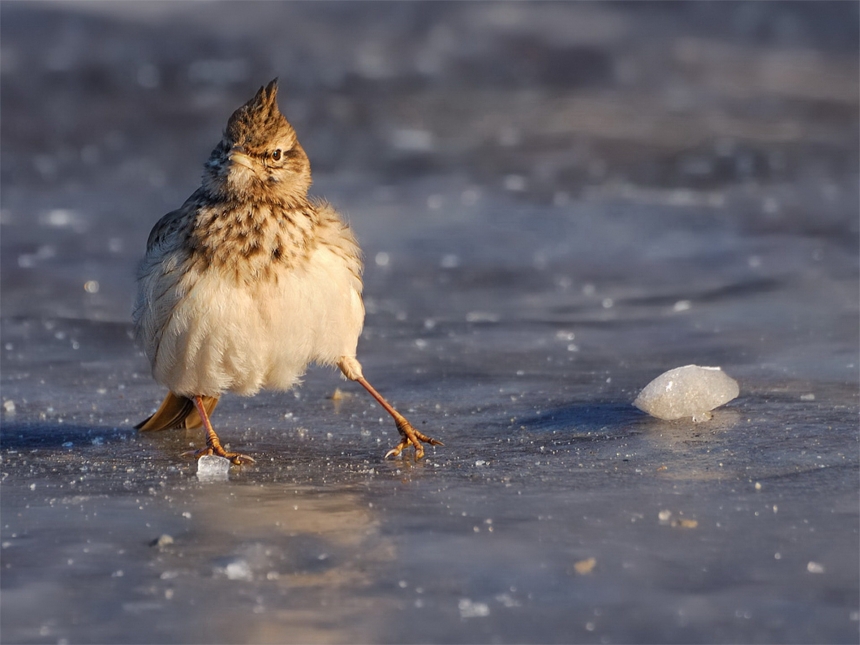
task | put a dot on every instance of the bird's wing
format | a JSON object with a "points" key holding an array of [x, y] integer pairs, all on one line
{"points": [[167, 228]]}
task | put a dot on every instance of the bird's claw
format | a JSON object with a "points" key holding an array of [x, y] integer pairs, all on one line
{"points": [[396, 450], [236, 458], [411, 436]]}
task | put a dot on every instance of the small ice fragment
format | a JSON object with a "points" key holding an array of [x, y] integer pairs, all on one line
{"points": [[507, 600], [213, 468], [664, 515], [162, 541], [682, 305], [59, 217], [470, 609], [9, 407], [807, 397], [238, 569], [690, 391], [815, 567]]}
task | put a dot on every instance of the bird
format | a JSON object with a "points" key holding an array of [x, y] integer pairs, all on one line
{"points": [[250, 281]]}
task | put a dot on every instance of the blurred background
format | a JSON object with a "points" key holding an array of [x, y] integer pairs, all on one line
{"points": [[745, 110], [558, 201]]}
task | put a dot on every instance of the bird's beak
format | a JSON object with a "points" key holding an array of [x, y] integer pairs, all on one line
{"points": [[237, 156]]}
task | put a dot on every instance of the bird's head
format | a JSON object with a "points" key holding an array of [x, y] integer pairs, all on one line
{"points": [[259, 157]]}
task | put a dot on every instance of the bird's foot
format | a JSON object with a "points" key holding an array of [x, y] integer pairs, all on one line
{"points": [[235, 457], [410, 436]]}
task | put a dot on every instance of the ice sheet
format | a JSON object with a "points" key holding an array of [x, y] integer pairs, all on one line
{"points": [[556, 201]]}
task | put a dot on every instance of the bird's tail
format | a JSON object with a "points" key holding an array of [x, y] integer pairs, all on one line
{"points": [[177, 411]]}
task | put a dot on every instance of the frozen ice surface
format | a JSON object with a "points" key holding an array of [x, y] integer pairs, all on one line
{"points": [[608, 190], [689, 391], [213, 468]]}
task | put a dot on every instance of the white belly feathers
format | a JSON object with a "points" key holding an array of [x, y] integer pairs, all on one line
{"points": [[240, 338]]}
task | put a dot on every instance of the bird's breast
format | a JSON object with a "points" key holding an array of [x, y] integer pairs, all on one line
{"points": [[249, 241]]}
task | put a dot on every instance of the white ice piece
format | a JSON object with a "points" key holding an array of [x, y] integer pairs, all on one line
{"points": [[238, 569], [689, 391], [471, 609], [213, 468]]}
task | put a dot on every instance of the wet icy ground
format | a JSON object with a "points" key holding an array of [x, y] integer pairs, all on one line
{"points": [[557, 203]]}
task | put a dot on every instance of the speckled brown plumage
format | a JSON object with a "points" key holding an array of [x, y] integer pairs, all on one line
{"points": [[250, 280]]}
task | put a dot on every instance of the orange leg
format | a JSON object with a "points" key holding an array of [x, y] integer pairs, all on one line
{"points": [[408, 434], [213, 443]]}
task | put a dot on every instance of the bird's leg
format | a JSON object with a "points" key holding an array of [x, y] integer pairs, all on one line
{"points": [[213, 443], [408, 434]]}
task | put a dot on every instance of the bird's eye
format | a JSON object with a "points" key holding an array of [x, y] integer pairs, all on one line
{"points": [[276, 155]]}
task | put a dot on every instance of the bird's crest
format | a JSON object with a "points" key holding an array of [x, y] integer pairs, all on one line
{"points": [[259, 121]]}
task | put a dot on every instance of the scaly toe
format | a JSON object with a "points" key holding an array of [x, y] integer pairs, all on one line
{"points": [[196, 454], [239, 459], [411, 436], [396, 450], [235, 458]]}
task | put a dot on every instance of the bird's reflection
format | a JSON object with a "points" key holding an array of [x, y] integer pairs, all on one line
{"points": [[280, 563]]}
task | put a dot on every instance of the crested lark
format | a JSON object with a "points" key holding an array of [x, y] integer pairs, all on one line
{"points": [[250, 281]]}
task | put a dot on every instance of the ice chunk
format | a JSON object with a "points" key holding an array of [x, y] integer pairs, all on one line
{"points": [[213, 468], [689, 391]]}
